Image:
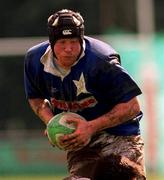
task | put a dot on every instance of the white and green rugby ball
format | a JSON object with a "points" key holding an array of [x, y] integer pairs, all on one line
{"points": [[58, 127]]}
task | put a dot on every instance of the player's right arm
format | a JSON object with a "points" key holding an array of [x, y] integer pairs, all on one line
{"points": [[42, 109], [33, 82]]}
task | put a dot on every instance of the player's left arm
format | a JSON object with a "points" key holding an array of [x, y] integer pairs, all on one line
{"points": [[86, 129], [118, 115]]}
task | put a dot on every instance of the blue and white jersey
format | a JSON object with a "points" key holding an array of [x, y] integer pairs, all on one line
{"points": [[91, 88]]}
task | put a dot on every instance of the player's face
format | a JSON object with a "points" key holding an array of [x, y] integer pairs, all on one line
{"points": [[67, 51]]}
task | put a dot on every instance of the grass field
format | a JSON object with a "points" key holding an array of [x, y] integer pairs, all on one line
{"points": [[150, 177], [31, 177]]}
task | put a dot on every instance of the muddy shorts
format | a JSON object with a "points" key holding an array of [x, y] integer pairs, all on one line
{"points": [[81, 163]]}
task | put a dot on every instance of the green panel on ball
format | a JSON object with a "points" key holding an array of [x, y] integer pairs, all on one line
{"points": [[57, 127]]}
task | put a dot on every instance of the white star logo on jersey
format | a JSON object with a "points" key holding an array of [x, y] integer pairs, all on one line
{"points": [[81, 88]]}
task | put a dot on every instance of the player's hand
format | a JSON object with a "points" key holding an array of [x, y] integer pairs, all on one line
{"points": [[46, 134], [80, 138]]}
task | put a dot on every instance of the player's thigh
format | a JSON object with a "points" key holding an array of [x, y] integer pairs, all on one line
{"points": [[131, 147]]}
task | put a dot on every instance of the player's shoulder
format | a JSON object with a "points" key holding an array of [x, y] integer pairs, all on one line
{"points": [[35, 52], [101, 49], [99, 46], [41, 47]]}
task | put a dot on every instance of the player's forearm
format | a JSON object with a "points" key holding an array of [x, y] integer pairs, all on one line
{"points": [[118, 115], [41, 109]]}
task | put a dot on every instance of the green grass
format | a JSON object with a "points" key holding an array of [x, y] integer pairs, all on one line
{"points": [[28, 177], [155, 177]]}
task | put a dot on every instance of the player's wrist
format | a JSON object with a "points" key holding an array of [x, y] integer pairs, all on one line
{"points": [[92, 127], [48, 118]]}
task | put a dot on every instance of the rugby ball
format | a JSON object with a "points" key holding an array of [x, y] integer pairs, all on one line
{"points": [[58, 127]]}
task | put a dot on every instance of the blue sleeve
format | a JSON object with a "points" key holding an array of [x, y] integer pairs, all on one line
{"points": [[32, 80], [115, 84]]}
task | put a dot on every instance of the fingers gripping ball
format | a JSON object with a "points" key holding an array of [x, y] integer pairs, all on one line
{"points": [[58, 127]]}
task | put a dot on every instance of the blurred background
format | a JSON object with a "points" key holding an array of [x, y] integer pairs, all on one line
{"points": [[134, 28]]}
